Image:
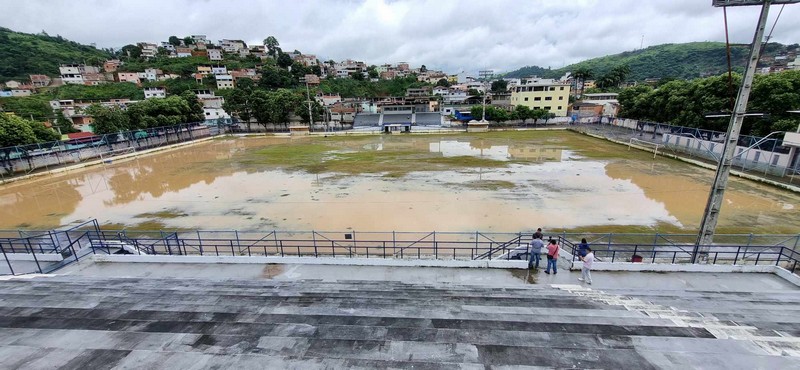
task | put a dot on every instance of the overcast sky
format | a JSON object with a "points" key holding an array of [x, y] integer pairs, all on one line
{"points": [[442, 34]]}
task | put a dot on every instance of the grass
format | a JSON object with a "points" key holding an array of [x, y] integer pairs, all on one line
{"points": [[492, 185], [168, 213], [324, 157]]}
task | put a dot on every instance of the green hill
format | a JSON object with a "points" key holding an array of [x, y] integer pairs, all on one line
{"points": [[22, 54], [683, 61]]}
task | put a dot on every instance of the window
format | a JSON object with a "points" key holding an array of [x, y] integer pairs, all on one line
{"points": [[562, 89], [546, 108], [559, 107], [548, 98], [538, 98], [560, 98], [526, 98], [552, 88]]}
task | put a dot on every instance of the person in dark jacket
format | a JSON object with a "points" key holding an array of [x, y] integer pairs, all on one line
{"points": [[582, 248]]}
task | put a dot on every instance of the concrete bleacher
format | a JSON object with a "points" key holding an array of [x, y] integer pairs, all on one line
{"points": [[367, 120], [429, 118], [82, 321]]}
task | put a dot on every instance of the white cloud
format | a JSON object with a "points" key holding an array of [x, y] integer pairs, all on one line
{"points": [[448, 34]]}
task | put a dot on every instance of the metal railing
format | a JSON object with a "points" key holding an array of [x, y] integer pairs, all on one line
{"points": [[24, 159], [88, 238]]}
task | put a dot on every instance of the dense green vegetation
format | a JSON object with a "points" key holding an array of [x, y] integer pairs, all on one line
{"points": [[149, 113], [686, 103], [682, 61], [23, 54], [352, 88], [16, 130]]}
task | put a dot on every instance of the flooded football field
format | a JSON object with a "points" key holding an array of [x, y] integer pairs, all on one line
{"points": [[500, 181]]}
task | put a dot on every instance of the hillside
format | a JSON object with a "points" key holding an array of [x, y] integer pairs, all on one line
{"points": [[22, 54], [683, 61]]}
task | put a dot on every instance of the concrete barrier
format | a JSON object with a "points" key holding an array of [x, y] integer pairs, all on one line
{"points": [[41, 257]]}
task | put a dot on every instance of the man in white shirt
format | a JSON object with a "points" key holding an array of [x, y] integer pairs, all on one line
{"points": [[588, 259]]}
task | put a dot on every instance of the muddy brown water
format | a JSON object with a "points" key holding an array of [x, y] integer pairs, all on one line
{"points": [[552, 180]]}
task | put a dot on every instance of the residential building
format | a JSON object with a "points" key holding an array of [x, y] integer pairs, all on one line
{"points": [[21, 92], [311, 79], [601, 104], [200, 53], [168, 47], [328, 99], [243, 53], [151, 74], [73, 73], [154, 92], [342, 114], [204, 94], [148, 50], [219, 70], [13, 84], [183, 52], [307, 60], [39, 80], [128, 77], [418, 92], [111, 65], [224, 81], [388, 75], [200, 46], [5, 94], [232, 46], [75, 110], [348, 67], [204, 70], [201, 39], [214, 54], [440, 90], [402, 66], [94, 79], [539, 93]]}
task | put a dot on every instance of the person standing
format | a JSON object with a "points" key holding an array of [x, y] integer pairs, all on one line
{"points": [[552, 257], [538, 234], [582, 247], [535, 255], [586, 269]]}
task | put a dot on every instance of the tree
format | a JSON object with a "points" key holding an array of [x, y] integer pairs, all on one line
{"points": [[271, 43], [581, 74], [15, 130], [284, 60], [238, 102], [372, 71], [274, 78], [443, 82], [63, 124], [523, 113], [316, 69], [474, 92], [174, 41], [273, 107], [423, 69], [108, 120], [132, 51], [188, 41], [358, 76], [499, 86]]}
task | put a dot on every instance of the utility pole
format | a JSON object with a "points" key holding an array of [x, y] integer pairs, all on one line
{"points": [[485, 76], [711, 215], [310, 115]]}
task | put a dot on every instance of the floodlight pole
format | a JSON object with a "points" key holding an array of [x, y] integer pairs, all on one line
{"points": [[715, 197]]}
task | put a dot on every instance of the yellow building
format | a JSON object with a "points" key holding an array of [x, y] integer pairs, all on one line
{"points": [[540, 93]]}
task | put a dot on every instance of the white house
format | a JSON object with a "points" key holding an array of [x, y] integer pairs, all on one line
{"points": [[219, 70], [224, 81], [154, 92], [151, 74], [214, 54]]}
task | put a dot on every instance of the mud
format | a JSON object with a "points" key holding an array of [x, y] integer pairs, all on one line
{"points": [[491, 182]]}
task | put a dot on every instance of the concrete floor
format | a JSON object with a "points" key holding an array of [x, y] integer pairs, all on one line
{"points": [[745, 282]]}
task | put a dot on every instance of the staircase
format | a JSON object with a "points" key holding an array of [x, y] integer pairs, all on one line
{"points": [[89, 322]]}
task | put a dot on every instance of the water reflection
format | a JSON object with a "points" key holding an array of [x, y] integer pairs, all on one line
{"points": [[548, 185]]}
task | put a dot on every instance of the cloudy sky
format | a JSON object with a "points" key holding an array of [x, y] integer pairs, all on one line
{"points": [[444, 34]]}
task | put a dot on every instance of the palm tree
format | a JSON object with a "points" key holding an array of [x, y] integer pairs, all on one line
{"points": [[581, 74]]}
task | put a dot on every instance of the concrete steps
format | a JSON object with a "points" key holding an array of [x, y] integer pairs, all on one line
{"points": [[86, 322]]}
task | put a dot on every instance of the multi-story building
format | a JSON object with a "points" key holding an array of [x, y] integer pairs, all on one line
{"points": [[214, 54], [204, 70], [154, 92], [232, 46], [39, 80], [219, 70], [306, 59], [224, 81], [129, 77], [539, 93], [111, 65], [73, 73], [183, 52], [200, 39], [148, 50], [151, 74], [349, 67]]}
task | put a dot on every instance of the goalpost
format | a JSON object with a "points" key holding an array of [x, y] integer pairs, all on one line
{"points": [[644, 145]]}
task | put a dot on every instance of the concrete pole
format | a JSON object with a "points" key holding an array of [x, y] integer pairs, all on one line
{"points": [[711, 215]]}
